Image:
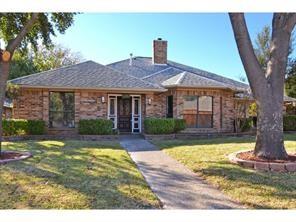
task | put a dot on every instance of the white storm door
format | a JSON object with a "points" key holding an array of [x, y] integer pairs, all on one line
{"points": [[136, 114], [112, 110]]}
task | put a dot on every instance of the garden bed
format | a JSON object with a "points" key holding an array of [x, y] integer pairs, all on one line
{"points": [[249, 160], [10, 156]]}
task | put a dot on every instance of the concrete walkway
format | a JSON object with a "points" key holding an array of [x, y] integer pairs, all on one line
{"points": [[176, 186]]}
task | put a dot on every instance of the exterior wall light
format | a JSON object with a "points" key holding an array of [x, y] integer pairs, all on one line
{"points": [[149, 101], [103, 99]]}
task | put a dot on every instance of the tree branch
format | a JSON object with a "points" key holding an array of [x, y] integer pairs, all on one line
{"points": [[282, 26], [252, 67], [15, 42], [291, 21]]}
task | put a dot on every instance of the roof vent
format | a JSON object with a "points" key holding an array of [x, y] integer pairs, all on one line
{"points": [[131, 59]]}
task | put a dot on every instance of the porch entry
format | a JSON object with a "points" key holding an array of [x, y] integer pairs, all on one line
{"points": [[124, 111]]}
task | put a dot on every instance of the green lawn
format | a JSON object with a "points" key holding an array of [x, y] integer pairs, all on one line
{"points": [[208, 158], [73, 175]]}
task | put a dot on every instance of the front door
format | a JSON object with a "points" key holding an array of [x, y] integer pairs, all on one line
{"points": [[124, 114]]}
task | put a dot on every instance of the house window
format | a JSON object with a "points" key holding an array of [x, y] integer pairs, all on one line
{"points": [[205, 112], [169, 107], [198, 111], [61, 109]]}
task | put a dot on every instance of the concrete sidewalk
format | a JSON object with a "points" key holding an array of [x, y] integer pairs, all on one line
{"points": [[176, 186]]}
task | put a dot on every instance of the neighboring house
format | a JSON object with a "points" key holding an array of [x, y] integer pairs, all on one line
{"points": [[129, 91]]}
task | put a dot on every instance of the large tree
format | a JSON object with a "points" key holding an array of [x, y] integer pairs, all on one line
{"points": [[42, 59], [267, 85], [18, 30]]}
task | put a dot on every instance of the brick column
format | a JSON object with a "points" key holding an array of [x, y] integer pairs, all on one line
{"points": [[77, 106], [45, 100]]}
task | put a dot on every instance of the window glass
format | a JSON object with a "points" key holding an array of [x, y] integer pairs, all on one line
{"points": [[61, 109], [205, 103], [170, 107], [190, 103]]}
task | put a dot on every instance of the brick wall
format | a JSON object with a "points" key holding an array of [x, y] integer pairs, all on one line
{"points": [[158, 105], [34, 104], [29, 105]]}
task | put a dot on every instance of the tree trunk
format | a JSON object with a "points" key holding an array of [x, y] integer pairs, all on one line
{"points": [[267, 86], [270, 136], [4, 71]]}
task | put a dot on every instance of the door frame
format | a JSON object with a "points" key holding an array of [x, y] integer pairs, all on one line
{"points": [[135, 118]]}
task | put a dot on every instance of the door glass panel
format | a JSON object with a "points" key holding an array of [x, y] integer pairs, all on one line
{"points": [[136, 111], [112, 106]]}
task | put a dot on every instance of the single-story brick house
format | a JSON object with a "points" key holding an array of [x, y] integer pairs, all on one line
{"points": [[128, 91]]}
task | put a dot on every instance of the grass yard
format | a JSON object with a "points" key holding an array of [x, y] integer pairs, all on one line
{"points": [[208, 158], [73, 175]]}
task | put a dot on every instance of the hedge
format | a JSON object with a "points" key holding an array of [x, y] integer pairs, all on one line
{"points": [[36, 127], [289, 122], [15, 127], [95, 127], [180, 124], [163, 125]]}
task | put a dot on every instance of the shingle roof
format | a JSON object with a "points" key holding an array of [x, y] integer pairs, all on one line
{"points": [[85, 75], [187, 79], [142, 67], [142, 75]]}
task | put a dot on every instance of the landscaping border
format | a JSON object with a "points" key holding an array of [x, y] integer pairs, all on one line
{"points": [[193, 136], [25, 155], [262, 166], [60, 137]]}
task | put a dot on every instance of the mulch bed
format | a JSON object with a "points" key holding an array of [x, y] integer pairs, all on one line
{"points": [[249, 155], [10, 156], [6, 155]]}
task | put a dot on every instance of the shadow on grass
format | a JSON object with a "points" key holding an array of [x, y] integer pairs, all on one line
{"points": [[281, 186], [109, 179], [214, 141]]}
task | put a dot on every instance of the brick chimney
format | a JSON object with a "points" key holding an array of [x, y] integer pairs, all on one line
{"points": [[160, 51]]}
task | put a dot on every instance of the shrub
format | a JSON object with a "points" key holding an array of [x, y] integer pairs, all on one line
{"points": [[289, 122], [14, 127], [246, 124], [163, 125], [36, 127], [180, 124], [95, 127]]}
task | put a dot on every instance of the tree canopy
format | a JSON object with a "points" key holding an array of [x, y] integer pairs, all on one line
{"points": [[42, 59], [44, 26]]}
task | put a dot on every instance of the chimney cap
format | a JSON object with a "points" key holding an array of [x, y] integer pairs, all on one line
{"points": [[160, 39]]}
